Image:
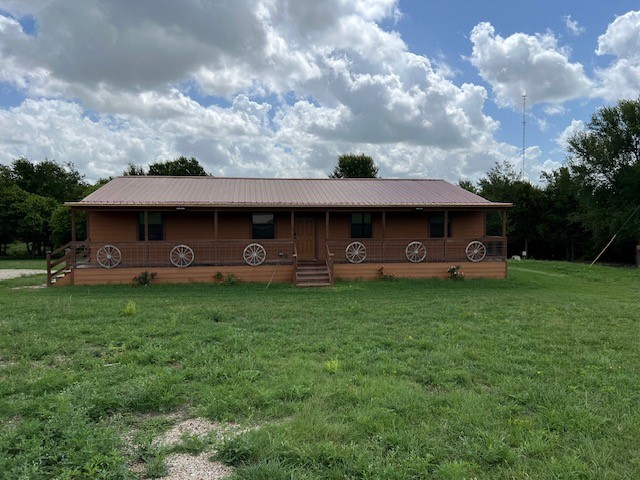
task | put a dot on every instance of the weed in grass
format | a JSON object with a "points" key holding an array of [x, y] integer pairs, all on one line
{"points": [[130, 308], [331, 366]]}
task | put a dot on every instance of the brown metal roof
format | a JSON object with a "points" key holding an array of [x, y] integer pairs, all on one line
{"points": [[160, 191]]}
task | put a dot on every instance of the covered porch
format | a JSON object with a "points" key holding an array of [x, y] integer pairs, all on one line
{"points": [[193, 244]]}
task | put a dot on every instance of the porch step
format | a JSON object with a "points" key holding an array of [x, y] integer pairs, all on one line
{"points": [[315, 275]]}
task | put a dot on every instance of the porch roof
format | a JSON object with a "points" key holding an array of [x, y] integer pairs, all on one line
{"points": [[166, 191]]}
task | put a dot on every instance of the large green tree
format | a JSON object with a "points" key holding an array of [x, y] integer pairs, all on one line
{"points": [[604, 162], [181, 166], [48, 179], [526, 219], [355, 166]]}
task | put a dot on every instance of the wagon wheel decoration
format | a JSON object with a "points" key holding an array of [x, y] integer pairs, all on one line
{"points": [[415, 252], [109, 256], [476, 251], [355, 252], [181, 256], [254, 254]]}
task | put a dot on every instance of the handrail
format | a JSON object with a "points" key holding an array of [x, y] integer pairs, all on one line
{"points": [[295, 257], [329, 262]]}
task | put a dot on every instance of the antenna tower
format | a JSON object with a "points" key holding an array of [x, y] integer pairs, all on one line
{"points": [[524, 126]]}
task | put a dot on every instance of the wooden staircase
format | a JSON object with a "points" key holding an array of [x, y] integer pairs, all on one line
{"points": [[312, 275]]}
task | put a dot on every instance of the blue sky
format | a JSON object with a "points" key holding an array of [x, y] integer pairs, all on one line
{"points": [[281, 88]]}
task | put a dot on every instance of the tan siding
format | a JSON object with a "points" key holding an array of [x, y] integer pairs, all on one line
{"points": [[183, 227], [419, 270], [113, 227], [467, 224], [283, 225], [97, 276], [233, 225], [406, 225]]}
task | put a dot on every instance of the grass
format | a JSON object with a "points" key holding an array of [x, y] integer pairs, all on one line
{"points": [[535, 376], [35, 263]]}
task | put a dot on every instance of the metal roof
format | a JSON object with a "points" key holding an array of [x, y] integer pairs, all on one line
{"points": [[161, 191]]}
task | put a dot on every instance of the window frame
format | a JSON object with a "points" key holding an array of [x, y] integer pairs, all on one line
{"points": [[268, 227], [365, 227], [156, 230]]}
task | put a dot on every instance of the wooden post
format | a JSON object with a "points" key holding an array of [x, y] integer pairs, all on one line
{"points": [[326, 226], [146, 238], [384, 231], [215, 224], [504, 232], [446, 233], [293, 225], [73, 225], [48, 269], [638, 256]]}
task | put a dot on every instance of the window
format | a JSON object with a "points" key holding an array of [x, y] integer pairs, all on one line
{"points": [[361, 225], [156, 226], [436, 226], [263, 226]]}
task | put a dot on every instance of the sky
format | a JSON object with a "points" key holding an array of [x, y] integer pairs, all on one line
{"points": [[281, 88]]}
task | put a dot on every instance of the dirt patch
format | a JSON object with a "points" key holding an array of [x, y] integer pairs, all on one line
{"points": [[183, 466]]}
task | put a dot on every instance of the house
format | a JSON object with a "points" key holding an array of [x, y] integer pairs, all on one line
{"points": [[304, 231]]}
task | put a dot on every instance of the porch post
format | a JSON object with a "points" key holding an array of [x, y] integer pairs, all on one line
{"points": [[384, 231], [146, 238], [446, 233], [504, 232], [326, 226], [293, 225], [73, 225], [215, 224]]}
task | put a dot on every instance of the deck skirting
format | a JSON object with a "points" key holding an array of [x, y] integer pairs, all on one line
{"points": [[281, 273]]}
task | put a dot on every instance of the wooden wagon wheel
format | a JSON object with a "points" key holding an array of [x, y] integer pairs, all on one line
{"points": [[355, 252], [416, 252], [109, 256], [181, 256], [476, 251], [254, 254]]}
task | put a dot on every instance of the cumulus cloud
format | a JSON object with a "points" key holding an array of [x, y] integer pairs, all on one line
{"points": [[531, 64], [621, 79], [574, 127], [573, 26], [250, 87]]}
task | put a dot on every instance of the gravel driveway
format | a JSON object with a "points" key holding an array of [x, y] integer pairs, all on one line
{"points": [[19, 272]]}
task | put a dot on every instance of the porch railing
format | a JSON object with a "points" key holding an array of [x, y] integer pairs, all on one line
{"points": [[437, 249], [160, 254]]}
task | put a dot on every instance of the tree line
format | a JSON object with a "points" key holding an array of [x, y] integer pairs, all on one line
{"points": [[570, 215]]}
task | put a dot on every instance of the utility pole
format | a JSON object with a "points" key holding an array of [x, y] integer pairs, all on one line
{"points": [[524, 125]]}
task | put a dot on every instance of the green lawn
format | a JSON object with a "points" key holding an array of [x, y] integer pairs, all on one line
{"points": [[35, 263], [535, 376]]}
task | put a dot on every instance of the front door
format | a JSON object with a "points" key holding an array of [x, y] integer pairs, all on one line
{"points": [[306, 238]]}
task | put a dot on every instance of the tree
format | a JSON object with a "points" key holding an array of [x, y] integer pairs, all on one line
{"points": [[133, 169], [355, 166], [10, 196], [179, 166], [468, 185], [604, 161], [34, 222], [48, 179], [60, 224], [527, 217]]}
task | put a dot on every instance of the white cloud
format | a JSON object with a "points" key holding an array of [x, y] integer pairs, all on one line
{"points": [[573, 26], [621, 79], [118, 82], [555, 110], [574, 127], [531, 64]]}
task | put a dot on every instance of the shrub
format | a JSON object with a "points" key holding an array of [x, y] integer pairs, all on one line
{"points": [[455, 273], [144, 279], [383, 275]]}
